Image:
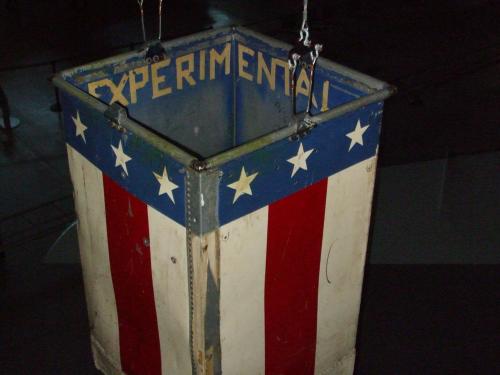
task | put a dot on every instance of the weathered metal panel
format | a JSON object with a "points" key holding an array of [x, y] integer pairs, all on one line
{"points": [[263, 101], [99, 137], [331, 153]]}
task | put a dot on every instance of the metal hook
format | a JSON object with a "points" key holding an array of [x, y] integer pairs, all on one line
{"points": [[314, 58], [292, 65], [305, 56]]}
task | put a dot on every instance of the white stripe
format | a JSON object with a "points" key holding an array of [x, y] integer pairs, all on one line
{"points": [[170, 284], [243, 244], [93, 241], [345, 235]]}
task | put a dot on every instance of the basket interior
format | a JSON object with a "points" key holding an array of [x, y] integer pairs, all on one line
{"points": [[211, 93]]}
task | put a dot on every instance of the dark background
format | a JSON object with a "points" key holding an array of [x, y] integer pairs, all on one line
{"points": [[431, 310]]}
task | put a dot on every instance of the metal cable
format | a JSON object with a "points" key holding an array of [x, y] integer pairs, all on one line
{"points": [[141, 2], [304, 29], [159, 18], [303, 56]]}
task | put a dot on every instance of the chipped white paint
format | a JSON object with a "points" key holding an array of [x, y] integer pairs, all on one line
{"points": [[205, 255], [243, 245], [93, 242], [243, 268], [170, 285], [345, 236]]}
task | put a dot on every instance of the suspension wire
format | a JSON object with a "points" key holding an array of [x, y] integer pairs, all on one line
{"points": [[304, 29], [141, 2], [303, 56], [159, 18], [312, 71], [293, 62]]}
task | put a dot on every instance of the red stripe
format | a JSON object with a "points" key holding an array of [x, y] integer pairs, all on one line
{"points": [[295, 232], [130, 260]]}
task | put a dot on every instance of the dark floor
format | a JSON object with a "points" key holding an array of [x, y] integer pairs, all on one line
{"points": [[437, 196], [430, 319], [415, 319]]}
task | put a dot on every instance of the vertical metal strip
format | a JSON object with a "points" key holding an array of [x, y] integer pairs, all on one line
{"points": [[189, 245], [203, 258], [234, 68]]}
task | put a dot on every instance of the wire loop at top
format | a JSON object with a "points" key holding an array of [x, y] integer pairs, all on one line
{"points": [[141, 9]]}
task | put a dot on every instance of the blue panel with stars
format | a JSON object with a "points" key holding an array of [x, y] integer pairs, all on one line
{"points": [[137, 166], [262, 88], [207, 94], [272, 173]]}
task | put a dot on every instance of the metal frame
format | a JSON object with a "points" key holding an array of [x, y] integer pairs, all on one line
{"points": [[377, 91]]}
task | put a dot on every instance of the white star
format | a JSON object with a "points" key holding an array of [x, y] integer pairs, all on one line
{"points": [[356, 135], [166, 186], [80, 127], [242, 186], [121, 157], [299, 161]]}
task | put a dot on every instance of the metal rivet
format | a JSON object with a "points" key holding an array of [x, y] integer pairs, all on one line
{"points": [[145, 241]]}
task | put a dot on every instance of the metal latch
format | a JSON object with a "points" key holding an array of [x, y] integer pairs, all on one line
{"points": [[117, 115]]}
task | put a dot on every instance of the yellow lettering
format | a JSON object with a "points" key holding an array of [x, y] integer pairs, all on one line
{"points": [[324, 101], [137, 85], [284, 65], [223, 57], [203, 54], [303, 86], [156, 79], [116, 90], [93, 86], [242, 63], [185, 74], [262, 68]]}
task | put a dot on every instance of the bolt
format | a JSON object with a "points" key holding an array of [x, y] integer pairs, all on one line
{"points": [[198, 165]]}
